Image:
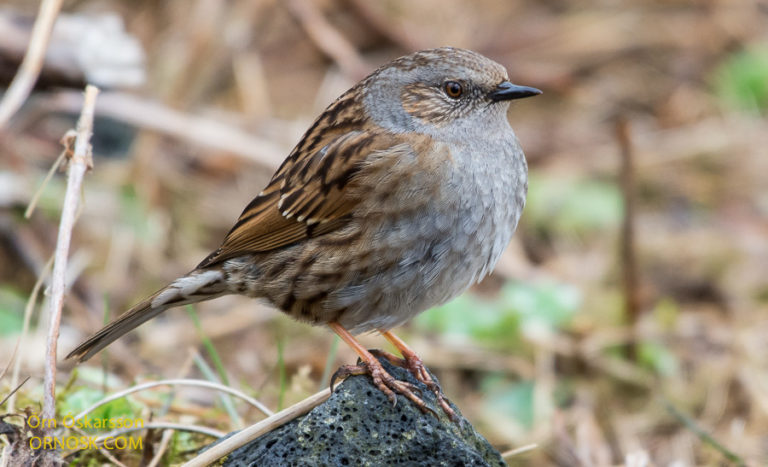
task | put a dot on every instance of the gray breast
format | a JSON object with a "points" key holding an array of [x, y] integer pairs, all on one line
{"points": [[448, 245]]}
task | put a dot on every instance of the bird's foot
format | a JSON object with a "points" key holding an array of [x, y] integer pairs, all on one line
{"points": [[382, 380], [415, 365]]}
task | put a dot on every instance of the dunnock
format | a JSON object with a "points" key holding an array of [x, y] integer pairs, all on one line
{"points": [[401, 195]]}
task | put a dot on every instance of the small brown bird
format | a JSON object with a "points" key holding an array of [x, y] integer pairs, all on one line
{"points": [[402, 194]]}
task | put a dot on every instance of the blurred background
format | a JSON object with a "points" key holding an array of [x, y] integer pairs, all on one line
{"points": [[626, 322]]}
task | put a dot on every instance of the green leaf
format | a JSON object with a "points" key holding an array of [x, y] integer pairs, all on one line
{"points": [[512, 400], [666, 313], [657, 357], [11, 311], [570, 205], [469, 317], [138, 216], [546, 304], [78, 400], [742, 80], [498, 323]]}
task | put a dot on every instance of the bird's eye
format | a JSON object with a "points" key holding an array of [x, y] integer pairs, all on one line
{"points": [[453, 89]]}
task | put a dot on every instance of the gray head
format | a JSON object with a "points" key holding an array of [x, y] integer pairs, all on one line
{"points": [[443, 92]]}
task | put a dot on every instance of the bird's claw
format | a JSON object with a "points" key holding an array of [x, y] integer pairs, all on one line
{"points": [[385, 382], [416, 366]]}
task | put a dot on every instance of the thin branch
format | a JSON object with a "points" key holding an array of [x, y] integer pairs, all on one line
{"points": [[25, 328], [33, 202], [10, 362], [376, 16], [178, 382], [101, 449], [628, 255], [151, 115], [14, 391], [226, 401], [705, 437], [254, 431], [164, 442], [517, 451], [4, 459], [327, 38], [79, 163], [162, 426], [30, 67], [168, 427]]}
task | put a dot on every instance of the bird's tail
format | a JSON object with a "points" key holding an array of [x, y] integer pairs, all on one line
{"points": [[194, 287]]}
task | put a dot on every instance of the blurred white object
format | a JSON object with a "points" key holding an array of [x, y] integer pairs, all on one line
{"points": [[13, 189], [99, 45], [92, 47], [637, 459]]}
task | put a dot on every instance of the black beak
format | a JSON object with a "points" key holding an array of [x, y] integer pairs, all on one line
{"points": [[507, 91]]}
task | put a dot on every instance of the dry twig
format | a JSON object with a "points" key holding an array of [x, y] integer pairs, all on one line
{"points": [[178, 382], [33, 61], [102, 450], [254, 431], [10, 362], [705, 437], [328, 39], [167, 434], [628, 254], [517, 451], [375, 15], [36, 197], [78, 165], [2, 402], [25, 329], [207, 132], [163, 426], [164, 442]]}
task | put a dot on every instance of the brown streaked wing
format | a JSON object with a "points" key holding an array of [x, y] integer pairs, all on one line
{"points": [[308, 196]]}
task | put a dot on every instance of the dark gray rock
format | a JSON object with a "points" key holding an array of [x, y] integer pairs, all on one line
{"points": [[358, 426]]}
